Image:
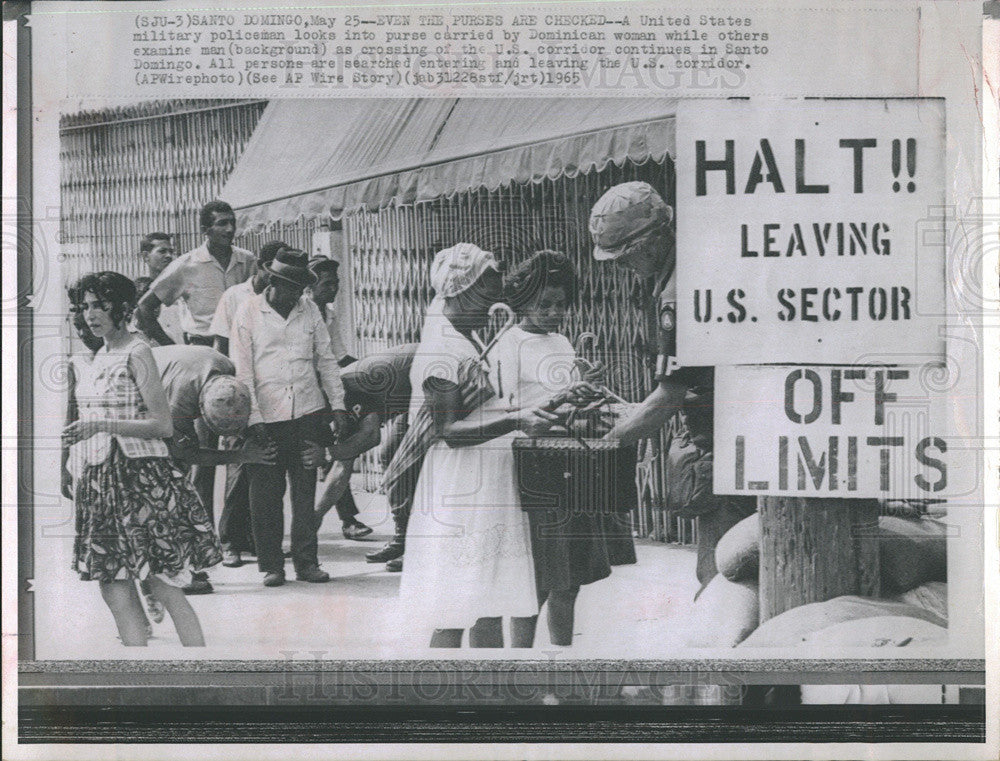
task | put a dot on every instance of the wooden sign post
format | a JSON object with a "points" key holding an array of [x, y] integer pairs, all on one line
{"points": [[800, 265], [813, 550]]}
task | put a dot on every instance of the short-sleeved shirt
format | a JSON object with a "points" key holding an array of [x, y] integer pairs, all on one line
{"points": [[105, 387], [197, 281], [184, 370], [528, 369], [336, 337], [231, 300], [168, 317], [170, 320], [664, 308], [380, 383], [441, 353]]}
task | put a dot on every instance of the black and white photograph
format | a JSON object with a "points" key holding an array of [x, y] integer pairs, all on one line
{"points": [[651, 396], [468, 377]]}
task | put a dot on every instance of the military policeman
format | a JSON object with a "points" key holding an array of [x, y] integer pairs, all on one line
{"points": [[631, 225]]}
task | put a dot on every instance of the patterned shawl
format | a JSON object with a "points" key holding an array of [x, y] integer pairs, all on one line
{"points": [[400, 477]]}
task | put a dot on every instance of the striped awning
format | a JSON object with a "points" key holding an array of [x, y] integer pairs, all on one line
{"points": [[327, 156]]}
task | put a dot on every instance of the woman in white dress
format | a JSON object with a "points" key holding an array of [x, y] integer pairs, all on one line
{"points": [[468, 555]]}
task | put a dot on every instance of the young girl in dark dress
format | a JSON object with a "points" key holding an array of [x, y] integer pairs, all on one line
{"points": [[137, 516], [532, 363]]}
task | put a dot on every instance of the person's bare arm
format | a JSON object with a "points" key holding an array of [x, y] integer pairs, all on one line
{"points": [[72, 415], [368, 436], [222, 323], [651, 415], [461, 428], [186, 450], [158, 423], [146, 315], [337, 483]]}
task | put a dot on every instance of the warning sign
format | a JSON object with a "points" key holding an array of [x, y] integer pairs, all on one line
{"points": [[799, 230], [830, 432]]}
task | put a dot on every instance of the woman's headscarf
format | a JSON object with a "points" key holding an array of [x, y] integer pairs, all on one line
{"points": [[455, 269]]}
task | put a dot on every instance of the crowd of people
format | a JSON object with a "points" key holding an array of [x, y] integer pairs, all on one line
{"points": [[221, 357]]}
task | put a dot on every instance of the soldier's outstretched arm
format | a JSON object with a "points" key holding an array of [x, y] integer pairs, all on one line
{"points": [[652, 414]]}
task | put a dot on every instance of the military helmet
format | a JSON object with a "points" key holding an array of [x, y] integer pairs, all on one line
{"points": [[225, 404], [623, 214]]}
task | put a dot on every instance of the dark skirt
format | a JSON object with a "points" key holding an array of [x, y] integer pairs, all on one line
{"points": [[140, 517], [572, 549]]}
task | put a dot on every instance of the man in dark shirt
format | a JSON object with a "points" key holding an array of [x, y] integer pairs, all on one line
{"points": [[376, 390]]}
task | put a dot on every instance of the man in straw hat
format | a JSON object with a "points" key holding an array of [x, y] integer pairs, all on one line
{"points": [[281, 350], [201, 387]]}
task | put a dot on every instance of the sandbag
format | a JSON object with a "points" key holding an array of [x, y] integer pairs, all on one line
{"points": [[737, 555], [932, 596], [724, 614], [792, 626], [881, 631], [912, 552], [713, 525]]}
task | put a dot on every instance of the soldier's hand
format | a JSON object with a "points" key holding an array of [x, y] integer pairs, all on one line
{"points": [[616, 413], [259, 452]]}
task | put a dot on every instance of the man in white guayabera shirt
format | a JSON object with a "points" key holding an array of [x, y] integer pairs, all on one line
{"points": [[234, 524], [281, 350]]}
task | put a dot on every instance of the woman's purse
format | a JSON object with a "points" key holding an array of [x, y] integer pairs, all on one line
{"points": [[575, 475]]}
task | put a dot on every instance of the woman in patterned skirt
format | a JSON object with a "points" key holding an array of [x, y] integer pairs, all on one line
{"points": [[137, 517]]}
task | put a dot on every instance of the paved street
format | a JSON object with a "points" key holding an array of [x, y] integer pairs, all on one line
{"points": [[638, 612]]}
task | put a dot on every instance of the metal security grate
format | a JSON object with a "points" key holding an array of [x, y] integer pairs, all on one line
{"points": [[130, 171]]}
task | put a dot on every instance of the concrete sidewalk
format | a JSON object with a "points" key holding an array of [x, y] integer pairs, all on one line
{"points": [[639, 612]]}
